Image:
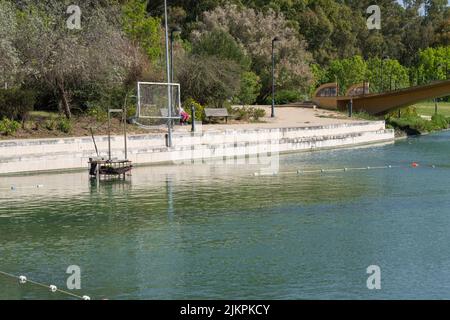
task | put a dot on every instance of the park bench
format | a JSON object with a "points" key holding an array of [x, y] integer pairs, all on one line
{"points": [[216, 113]]}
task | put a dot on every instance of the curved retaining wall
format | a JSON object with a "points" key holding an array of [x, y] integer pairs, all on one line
{"points": [[18, 156]]}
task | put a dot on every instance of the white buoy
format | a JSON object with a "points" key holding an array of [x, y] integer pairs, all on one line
{"points": [[53, 288], [22, 279], [86, 298], [40, 186]]}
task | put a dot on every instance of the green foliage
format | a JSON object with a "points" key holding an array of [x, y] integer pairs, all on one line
{"points": [[387, 74], [199, 109], [434, 63], [440, 121], [287, 96], [8, 126], [319, 76], [97, 112], [209, 80], [64, 125], [258, 113], [139, 27], [250, 88], [248, 113], [16, 103], [404, 112], [51, 124], [347, 72], [417, 125], [363, 115], [221, 44]]}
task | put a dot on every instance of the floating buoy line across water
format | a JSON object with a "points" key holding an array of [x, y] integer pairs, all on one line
{"points": [[14, 188], [24, 280], [413, 165]]}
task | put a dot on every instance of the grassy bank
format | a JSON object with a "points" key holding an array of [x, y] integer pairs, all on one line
{"points": [[416, 125], [415, 120], [428, 108]]}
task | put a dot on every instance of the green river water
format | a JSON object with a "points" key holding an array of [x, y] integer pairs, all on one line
{"points": [[216, 231]]}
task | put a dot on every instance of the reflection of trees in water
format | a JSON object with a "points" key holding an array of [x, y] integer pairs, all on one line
{"points": [[116, 205]]}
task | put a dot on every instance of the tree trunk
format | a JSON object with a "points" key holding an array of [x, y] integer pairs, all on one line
{"points": [[64, 101]]}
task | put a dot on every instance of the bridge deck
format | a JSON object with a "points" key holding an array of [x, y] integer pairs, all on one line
{"points": [[382, 103]]}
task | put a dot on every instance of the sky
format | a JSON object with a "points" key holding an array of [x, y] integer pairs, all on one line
{"points": [[401, 2]]}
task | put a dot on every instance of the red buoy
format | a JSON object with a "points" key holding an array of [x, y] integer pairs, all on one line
{"points": [[415, 165]]}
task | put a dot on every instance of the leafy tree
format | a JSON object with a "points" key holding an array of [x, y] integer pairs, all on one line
{"points": [[254, 31], [65, 61], [387, 74], [347, 72], [221, 44], [208, 79], [250, 88], [434, 63], [144, 30], [9, 57]]}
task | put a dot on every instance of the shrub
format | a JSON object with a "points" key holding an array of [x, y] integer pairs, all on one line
{"points": [[9, 127], [131, 110], [64, 125], [16, 103], [50, 124], [250, 88], [248, 113], [364, 115], [221, 44], [286, 96], [98, 113], [209, 80], [405, 112], [440, 121], [417, 125], [199, 109], [258, 113]]}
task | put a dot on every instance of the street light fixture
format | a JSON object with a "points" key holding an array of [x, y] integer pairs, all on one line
{"points": [[384, 58], [169, 95], [276, 39], [175, 30]]}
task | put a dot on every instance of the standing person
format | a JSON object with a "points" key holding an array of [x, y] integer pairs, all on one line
{"points": [[184, 116]]}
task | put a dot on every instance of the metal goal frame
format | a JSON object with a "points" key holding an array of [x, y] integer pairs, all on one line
{"points": [[169, 86]]}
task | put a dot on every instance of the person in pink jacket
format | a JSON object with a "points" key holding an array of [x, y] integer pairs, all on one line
{"points": [[184, 116]]}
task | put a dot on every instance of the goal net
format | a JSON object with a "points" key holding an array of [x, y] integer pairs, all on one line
{"points": [[157, 103]]}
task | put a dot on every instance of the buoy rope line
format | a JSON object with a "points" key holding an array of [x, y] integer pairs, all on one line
{"points": [[13, 187], [414, 165], [23, 280]]}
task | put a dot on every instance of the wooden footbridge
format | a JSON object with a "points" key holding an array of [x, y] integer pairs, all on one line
{"points": [[326, 96]]}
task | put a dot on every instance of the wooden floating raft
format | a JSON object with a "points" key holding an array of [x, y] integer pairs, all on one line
{"points": [[101, 167]]}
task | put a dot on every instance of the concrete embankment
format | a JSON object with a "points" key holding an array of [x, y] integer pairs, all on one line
{"points": [[18, 156]]}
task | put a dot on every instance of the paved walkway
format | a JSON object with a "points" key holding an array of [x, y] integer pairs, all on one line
{"points": [[286, 117]]}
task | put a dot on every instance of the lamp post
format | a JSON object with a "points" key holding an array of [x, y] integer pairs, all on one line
{"points": [[169, 96], [174, 31], [382, 67], [276, 39]]}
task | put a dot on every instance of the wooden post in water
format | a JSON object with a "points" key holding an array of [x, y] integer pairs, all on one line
{"points": [[124, 118], [109, 134]]}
